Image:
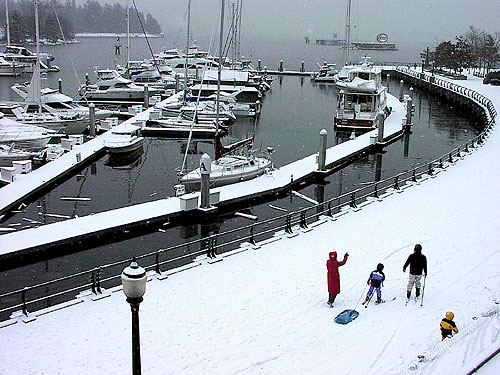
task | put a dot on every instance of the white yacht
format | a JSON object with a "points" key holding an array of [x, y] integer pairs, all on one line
{"points": [[10, 68], [327, 73], [124, 139], [24, 57], [361, 99], [111, 86], [229, 169], [24, 136]]}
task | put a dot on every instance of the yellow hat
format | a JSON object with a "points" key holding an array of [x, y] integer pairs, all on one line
{"points": [[450, 315]]}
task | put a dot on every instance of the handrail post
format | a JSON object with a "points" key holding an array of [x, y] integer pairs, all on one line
{"points": [[375, 192], [157, 262], [252, 239], [329, 211], [98, 280], [441, 165], [430, 170], [23, 301], [288, 224], [92, 282], [353, 200], [303, 223], [396, 182]]}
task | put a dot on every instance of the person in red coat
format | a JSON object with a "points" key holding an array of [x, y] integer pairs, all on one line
{"points": [[332, 265]]}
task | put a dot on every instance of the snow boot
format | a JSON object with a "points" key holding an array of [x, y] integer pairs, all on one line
{"points": [[417, 293], [379, 300], [408, 294]]}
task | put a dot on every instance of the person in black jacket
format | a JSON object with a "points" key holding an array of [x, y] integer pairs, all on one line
{"points": [[418, 264]]}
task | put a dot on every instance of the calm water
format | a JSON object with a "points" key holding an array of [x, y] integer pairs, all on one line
{"points": [[294, 112]]}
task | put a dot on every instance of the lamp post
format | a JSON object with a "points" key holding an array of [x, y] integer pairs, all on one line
{"points": [[134, 286]]}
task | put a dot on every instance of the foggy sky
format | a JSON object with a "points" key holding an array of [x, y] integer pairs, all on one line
{"points": [[428, 21]]}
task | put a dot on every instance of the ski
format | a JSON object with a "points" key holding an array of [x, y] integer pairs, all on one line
{"points": [[379, 303]]}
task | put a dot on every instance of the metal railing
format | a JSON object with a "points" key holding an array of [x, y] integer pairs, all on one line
{"points": [[159, 261]]}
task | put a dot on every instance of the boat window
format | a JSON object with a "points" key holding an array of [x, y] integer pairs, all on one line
{"points": [[252, 162], [364, 75]]}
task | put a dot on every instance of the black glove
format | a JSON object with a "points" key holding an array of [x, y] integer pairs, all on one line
{"points": [[346, 254]]}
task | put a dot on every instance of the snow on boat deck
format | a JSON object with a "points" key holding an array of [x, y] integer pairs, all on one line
{"points": [[101, 222]]}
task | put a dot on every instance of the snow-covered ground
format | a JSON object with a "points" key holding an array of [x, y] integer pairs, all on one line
{"points": [[264, 311]]}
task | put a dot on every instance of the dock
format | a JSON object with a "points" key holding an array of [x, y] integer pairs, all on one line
{"points": [[15, 246]]}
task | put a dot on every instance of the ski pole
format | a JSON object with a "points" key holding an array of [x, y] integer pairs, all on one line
{"points": [[423, 290], [357, 303]]}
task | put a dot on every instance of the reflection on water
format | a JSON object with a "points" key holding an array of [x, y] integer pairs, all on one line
{"points": [[293, 114]]}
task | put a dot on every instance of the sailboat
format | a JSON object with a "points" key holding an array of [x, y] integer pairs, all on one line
{"points": [[228, 169]]}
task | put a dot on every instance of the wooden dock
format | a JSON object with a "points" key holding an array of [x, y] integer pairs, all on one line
{"points": [[16, 247]]}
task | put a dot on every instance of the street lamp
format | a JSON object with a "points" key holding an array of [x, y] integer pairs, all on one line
{"points": [[134, 286]]}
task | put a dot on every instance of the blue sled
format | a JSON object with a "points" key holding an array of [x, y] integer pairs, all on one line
{"points": [[346, 316]]}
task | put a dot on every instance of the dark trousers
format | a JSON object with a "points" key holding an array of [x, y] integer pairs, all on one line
{"points": [[331, 297]]}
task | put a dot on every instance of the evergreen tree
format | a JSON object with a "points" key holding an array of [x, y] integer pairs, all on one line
{"points": [[152, 25]]}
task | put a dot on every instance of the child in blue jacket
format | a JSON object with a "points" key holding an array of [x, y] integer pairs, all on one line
{"points": [[375, 281]]}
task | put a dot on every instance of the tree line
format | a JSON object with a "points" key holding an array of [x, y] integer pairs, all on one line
{"points": [[54, 16], [475, 49]]}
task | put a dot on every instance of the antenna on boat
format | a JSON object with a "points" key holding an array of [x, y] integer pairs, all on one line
{"points": [[37, 35]]}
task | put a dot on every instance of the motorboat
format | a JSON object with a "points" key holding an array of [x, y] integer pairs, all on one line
{"points": [[111, 86], [10, 68], [52, 101], [361, 99], [24, 57], [327, 73], [146, 72], [24, 136], [228, 169], [8, 154], [124, 139]]}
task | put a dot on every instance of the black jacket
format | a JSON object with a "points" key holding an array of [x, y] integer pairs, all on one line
{"points": [[417, 263]]}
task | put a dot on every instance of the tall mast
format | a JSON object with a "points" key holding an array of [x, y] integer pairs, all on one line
{"points": [[128, 32], [348, 31], [187, 50], [7, 21], [238, 55], [219, 69], [37, 36]]}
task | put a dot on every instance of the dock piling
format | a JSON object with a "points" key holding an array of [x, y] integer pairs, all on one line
{"points": [[177, 87], [92, 119], [205, 167], [409, 110], [146, 96], [322, 150], [401, 90], [302, 67], [388, 81], [281, 66], [380, 121], [59, 85], [259, 65]]}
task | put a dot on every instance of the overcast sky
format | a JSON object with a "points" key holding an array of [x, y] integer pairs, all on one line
{"points": [[403, 20]]}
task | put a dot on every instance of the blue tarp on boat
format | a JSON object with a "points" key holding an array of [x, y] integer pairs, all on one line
{"points": [[346, 316]]}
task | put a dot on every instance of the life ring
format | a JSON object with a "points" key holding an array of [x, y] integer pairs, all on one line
{"points": [[82, 90]]}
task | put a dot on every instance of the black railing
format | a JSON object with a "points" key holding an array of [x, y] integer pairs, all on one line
{"points": [[95, 281]]}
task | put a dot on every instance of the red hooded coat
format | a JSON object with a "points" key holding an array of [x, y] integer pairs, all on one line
{"points": [[332, 265]]}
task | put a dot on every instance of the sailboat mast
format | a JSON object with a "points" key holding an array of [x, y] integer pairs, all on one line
{"points": [[37, 36], [128, 33], [238, 54], [7, 21], [187, 50], [219, 69], [348, 31]]}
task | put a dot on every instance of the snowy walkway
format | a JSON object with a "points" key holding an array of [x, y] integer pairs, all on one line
{"points": [[265, 312], [104, 221]]}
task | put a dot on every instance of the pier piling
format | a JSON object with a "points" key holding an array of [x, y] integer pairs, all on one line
{"points": [[59, 85], [146, 96], [205, 167], [281, 66], [302, 67], [322, 150], [409, 107], [388, 81], [92, 119], [401, 83], [259, 65], [380, 121]]}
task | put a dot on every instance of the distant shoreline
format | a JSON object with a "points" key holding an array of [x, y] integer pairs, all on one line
{"points": [[114, 35]]}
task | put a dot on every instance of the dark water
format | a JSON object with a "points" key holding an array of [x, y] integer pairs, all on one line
{"points": [[294, 112]]}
